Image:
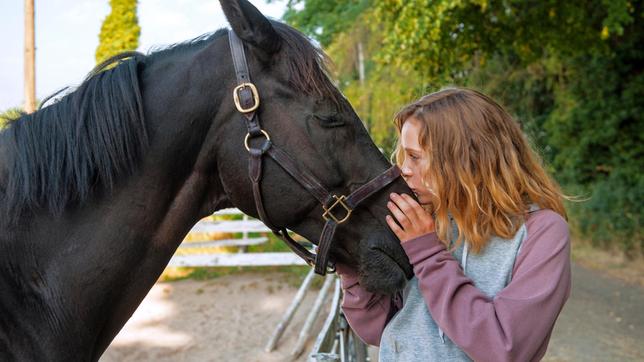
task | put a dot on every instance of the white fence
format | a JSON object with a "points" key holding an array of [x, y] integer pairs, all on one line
{"points": [[335, 342], [193, 254]]}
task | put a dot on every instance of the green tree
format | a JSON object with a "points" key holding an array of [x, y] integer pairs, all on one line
{"points": [[323, 19], [9, 115], [350, 33], [120, 30], [570, 72]]}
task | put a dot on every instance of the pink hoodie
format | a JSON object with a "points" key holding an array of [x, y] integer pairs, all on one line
{"points": [[514, 325]]}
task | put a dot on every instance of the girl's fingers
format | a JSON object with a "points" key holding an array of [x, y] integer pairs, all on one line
{"points": [[415, 207], [398, 214], [394, 227], [404, 206]]}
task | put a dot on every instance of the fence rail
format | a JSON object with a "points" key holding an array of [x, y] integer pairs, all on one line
{"points": [[237, 259], [335, 342], [196, 253]]}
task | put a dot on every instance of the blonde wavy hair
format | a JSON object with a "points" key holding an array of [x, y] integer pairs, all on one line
{"points": [[483, 172]]}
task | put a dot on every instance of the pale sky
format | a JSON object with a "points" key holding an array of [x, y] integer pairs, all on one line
{"points": [[67, 37]]}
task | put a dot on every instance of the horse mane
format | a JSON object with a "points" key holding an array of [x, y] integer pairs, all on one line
{"points": [[95, 135], [87, 139]]}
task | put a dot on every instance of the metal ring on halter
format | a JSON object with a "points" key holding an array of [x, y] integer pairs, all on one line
{"points": [[268, 140]]}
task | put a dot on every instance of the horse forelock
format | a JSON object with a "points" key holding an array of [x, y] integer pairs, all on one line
{"points": [[308, 65]]}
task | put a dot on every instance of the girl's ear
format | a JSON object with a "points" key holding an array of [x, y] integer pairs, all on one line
{"points": [[251, 26]]}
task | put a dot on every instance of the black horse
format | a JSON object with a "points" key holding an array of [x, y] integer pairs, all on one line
{"points": [[98, 189]]}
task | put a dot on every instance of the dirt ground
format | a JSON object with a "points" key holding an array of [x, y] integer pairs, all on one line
{"points": [[602, 321], [231, 319]]}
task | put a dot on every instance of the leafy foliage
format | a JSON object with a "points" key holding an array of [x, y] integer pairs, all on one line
{"points": [[570, 72], [320, 17], [120, 30], [9, 115]]}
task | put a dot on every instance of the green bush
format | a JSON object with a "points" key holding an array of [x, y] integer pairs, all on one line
{"points": [[9, 115], [570, 72]]}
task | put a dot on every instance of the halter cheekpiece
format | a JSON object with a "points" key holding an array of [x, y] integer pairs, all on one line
{"points": [[337, 208]]}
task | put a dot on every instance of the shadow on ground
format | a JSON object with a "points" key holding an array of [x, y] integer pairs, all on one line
{"points": [[231, 318]]}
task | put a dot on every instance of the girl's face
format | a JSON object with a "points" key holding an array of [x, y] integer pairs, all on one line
{"points": [[415, 162]]}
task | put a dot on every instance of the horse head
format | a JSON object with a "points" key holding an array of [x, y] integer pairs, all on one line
{"points": [[305, 115]]}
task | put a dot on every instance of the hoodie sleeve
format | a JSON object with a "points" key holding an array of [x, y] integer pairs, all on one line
{"points": [[367, 313], [516, 324]]}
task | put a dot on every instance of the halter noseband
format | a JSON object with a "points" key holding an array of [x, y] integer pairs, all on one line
{"points": [[246, 100]]}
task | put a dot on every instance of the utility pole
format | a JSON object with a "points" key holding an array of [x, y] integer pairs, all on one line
{"points": [[30, 58]]}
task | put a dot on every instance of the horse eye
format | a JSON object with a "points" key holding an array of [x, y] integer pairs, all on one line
{"points": [[329, 121]]}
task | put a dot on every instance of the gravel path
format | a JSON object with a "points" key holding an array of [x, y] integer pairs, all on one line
{"points": [[602, 321], [226, 319], [230, 319]]}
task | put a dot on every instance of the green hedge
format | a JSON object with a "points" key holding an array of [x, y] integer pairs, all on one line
{"points": [[570, 72]]}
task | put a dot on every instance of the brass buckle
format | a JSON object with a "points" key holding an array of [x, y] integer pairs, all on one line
{"points": [[338, 201], [253, 90], [268, 138]]}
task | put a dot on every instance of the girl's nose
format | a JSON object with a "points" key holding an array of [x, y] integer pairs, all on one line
{"points": [[405, 171]]}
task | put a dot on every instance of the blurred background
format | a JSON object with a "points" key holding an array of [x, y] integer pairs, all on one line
{"points": [[571, 72]]}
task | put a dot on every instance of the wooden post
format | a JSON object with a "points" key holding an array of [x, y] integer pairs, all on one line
{"points": [[286, 319], [361, 64], [30, 58], [326, 344], [310, 319]]}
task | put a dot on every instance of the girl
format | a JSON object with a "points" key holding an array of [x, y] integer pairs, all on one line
{"points": [[487, 239]]}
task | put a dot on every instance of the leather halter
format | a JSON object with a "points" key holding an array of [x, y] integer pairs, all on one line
{"points": [[246, 100]]}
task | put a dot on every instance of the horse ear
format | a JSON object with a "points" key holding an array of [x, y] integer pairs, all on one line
{"points": [[250, 25]]}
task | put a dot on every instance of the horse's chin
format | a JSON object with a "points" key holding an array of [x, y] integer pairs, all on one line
{"points": [[380, 273]]}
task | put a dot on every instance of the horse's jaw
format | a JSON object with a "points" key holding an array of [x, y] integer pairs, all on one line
{"points": [[383, 269]]}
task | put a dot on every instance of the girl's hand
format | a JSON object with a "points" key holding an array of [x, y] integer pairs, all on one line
{"points": [[415, 221]]}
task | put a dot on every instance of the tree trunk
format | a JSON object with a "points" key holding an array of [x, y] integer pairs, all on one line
{"points": [[30, 58]]}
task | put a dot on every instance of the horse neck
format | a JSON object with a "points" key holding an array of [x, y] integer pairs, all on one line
{"points": [[104, 256], [173, 190]]}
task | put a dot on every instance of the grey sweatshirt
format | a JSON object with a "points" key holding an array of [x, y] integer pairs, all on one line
{"points": [[502, 308]]}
